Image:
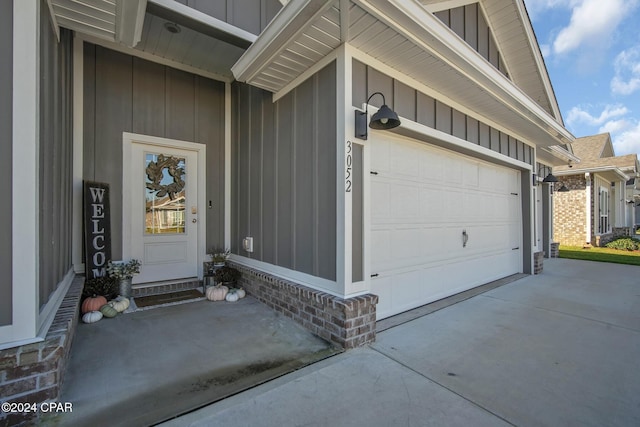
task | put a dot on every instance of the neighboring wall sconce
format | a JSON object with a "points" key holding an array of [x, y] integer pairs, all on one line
{"points": [[563, 189], [384, 118], [549, 179]]}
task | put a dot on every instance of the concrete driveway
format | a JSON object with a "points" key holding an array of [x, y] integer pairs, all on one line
{"points": [[558, 349]]}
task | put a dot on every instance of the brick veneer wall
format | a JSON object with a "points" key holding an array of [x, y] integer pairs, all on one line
{"points": [[569, 212], [347, 323], [538, 262], [34, 373]]}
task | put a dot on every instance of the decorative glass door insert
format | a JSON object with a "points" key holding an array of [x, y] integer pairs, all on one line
{"points": [[165, 196]]}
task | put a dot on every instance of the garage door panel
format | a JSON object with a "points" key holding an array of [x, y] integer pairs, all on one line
{"points": [[429, 197], [405, 200]]}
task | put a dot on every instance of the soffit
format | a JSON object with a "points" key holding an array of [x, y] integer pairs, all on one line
{"points": [[118, 21], [188, 47], [406, 37]]}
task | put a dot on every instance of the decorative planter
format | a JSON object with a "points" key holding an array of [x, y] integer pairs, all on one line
{"points": [[125, 287]]}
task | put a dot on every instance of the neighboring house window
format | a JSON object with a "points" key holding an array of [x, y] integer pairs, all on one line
{"points": [[603, 226]]}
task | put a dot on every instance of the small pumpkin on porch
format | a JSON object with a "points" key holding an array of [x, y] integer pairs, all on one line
{"points": [[241, 293], [93, 303], [232, 296], [108, 311], [217, 293], [120, 304], [92, 317]]}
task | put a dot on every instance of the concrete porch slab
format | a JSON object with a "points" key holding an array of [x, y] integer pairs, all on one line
{"points": [[145, 367]]}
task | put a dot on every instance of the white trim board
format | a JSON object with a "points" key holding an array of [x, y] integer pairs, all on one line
{"points": [[25, 174]]}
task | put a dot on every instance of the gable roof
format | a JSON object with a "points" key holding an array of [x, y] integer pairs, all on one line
{"points": [[592, 147], [596, 154], [404, 36], [510, 25]]}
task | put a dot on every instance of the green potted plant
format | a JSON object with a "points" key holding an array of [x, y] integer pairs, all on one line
{"points": [[219, 256], [124, 272]]}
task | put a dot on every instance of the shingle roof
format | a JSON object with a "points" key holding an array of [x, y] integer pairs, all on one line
{"points": [[590, 147]]}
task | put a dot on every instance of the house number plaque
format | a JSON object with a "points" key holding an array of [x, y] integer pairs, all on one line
{"points": [[349, 166]]}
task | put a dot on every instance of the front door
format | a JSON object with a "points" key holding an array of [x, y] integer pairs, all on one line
{"points": [[164, 209]]}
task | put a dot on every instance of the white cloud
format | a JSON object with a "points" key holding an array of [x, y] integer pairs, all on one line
{"points": [[581, 115], [628, 141], [535, 7], [591, 23], [545, 49], [627, 72]]}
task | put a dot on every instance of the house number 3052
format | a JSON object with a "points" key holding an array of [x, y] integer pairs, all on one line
{"points": [[349, 165]]}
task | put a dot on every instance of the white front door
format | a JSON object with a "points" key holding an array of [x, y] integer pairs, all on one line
{"points": [[161, 206]]}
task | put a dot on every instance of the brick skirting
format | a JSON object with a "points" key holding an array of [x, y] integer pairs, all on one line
{"points": [[34, 373], [347, 323]]}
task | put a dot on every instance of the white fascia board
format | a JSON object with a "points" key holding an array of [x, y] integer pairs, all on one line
{"points": [[557, 156], [292, 20], [447, 4], [129, 21], [597, 170], [542, 67], [410, 19]]}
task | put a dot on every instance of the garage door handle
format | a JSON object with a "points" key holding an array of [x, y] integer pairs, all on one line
{"points": [[375, 275], [515, 249], [465, 238], [373, 173]]}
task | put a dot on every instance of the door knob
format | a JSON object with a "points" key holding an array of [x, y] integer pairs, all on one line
{"points": [[194, 220]]}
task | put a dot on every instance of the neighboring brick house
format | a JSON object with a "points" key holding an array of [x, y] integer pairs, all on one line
{"points": [[594, 201]]}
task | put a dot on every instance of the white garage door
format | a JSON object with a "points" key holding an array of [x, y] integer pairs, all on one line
{"points": [[423, 200]]}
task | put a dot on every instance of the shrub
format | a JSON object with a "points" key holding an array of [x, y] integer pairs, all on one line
{"points": [[105, 286], [624, 244]]}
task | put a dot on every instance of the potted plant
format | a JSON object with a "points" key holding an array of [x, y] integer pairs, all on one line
{"points": [[124, 272], [219, 257], [226, 276]]}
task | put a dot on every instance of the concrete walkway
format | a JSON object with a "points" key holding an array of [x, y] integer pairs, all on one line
{"points": [[557, 349]]}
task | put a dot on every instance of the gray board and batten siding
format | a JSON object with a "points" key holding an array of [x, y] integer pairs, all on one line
{"points": [[128, 94], [420, 108], [284, 175], [250, 15], [6, 168], [55, 156], [470, 24]]}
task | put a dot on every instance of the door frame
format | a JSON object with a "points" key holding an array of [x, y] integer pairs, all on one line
{"points": [[128, 139]]}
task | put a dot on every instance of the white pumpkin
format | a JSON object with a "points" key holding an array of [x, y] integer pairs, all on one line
{"points": [[241, 293], [91, 317], [120, 304], [217, 293], [232, 296]]}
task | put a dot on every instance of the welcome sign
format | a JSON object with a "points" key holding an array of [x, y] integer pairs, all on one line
{"points": [[97, 229]]}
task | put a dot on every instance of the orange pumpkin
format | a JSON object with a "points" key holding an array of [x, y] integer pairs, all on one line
{"points": [[93, 303]]}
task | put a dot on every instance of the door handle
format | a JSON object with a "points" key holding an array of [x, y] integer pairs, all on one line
{"points": [[194, 220]]}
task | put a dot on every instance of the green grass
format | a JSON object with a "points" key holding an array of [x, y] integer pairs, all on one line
{"points": [[601, 254]]}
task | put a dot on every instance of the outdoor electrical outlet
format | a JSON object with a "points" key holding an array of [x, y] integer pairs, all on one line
{"points": [[247, 244]]}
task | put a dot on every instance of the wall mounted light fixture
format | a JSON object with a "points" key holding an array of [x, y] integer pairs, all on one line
{"points": [[385, 118], [563, 189], [549, 179]]}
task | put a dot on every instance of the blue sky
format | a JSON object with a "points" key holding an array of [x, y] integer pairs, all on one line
{"points": [[592, 52]]}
